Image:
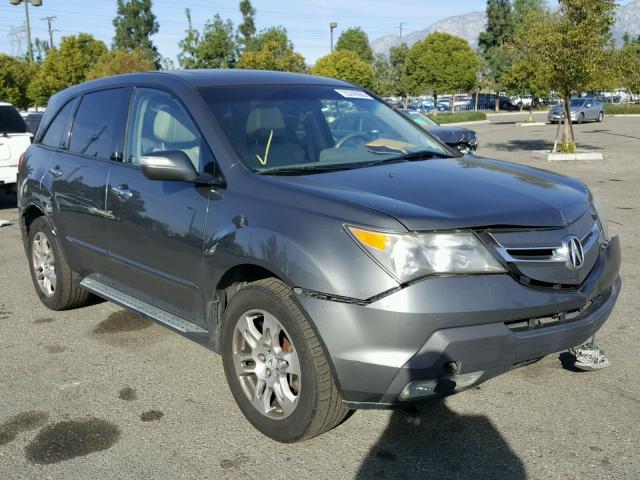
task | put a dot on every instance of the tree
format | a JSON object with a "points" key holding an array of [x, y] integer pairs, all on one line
{"points": [[345, 65], [135, 23], [248, 26], [66, 66], [397, 58], [522, 7], [15, 75], [273, 55], [215, 47], [441, 63], [383, 74], [278, 35], [572, 46], [187, 58], [356, 40], [629, 66], [40, 49], [116, 62]]}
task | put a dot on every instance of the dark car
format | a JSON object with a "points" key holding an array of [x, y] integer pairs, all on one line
{"points": [[461, 139], [33, 120], [334, 267]]}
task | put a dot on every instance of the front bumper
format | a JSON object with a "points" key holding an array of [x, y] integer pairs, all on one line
{"points": [[418, 332]]}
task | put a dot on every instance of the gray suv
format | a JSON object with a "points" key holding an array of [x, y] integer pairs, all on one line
{"points": [[332, 267]]}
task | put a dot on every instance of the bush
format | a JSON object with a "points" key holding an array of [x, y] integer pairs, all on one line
{"points": [[566, 147], [458, 117], [621, 109]]}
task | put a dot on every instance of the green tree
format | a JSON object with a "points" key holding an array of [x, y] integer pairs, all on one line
{"points": [[278, 35], [40, 50], [248, 26], [522, 7], [116, 62], [345, 65], [629, 66], [272, 56], [500, 30], [397, 58], [441, 63], [187, 58], [384, 78], [214, 47], [134, 24], [15, 76], [66, 66], [572, 46], [356, 40]]}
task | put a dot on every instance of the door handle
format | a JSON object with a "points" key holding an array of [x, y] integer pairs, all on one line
{"points": [[122, 192], [55, 172]]}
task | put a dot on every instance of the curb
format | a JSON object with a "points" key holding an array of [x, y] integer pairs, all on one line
{"points": [[530, 124], [563, 157], [473, 122], [623, 115]]}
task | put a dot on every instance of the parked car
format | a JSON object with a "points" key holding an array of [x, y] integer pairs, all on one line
{"points": [[333, 267], [461, 139], [14, 140], [33, 120], [582, 110]]}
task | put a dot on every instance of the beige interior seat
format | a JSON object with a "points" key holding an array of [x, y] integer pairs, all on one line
{"points": [[171, 134], [264, 123]]}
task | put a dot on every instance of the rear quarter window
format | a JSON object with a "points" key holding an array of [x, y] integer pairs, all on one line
{"points": [[58, 127], [96, 122]]}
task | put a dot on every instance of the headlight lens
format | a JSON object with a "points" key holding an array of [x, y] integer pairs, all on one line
{"points": [[410, 256], [602, 218]]}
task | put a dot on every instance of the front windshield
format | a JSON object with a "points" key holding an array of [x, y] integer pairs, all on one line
{"points": [[313, 127]]}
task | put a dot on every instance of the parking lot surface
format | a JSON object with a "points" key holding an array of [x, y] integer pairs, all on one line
{"points": [[103, 393]]}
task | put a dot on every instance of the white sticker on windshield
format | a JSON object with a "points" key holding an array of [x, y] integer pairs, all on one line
{"points": [[354, 94]]}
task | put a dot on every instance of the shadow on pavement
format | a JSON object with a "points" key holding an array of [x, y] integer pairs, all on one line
{"points": [[431, 441], [533, 145]]}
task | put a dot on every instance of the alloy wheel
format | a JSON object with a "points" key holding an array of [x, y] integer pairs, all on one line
{"points": [[44, 264], [266, 364]]}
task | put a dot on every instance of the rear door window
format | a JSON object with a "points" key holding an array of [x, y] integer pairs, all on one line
{"points": [[98, 123], [57, 131], [11, 121]]}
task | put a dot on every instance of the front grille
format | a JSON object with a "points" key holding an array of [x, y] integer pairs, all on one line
{"points": [[543, 322], [539, 257]]}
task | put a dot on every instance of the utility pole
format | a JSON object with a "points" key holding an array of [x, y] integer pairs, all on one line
{"points": [[401, 27], [50, 19], [35, 3]]}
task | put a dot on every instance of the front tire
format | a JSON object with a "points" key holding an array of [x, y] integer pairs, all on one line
{"points": [[50, 272], [275, 365], [600, 117], [581, 119]]}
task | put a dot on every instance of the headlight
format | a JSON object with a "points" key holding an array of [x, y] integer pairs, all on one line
{"points": [[412, 255], [602, 218]]}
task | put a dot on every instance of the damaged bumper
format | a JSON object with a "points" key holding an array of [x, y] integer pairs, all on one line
{"points": [[445, 334]]}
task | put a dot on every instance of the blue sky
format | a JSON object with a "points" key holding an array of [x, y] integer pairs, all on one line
{"points": [[306, 20]]}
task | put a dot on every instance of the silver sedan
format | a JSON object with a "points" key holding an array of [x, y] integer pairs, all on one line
{"points": [[582, 110]]}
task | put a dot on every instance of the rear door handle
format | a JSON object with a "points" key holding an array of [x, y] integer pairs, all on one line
{"points": [[55, 172], [122, 191]]}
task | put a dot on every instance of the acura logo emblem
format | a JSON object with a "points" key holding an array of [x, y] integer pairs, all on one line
{"points": [[574, 252]]}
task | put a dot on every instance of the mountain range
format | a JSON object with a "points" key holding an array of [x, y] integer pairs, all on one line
{"points": [[469, 26]]}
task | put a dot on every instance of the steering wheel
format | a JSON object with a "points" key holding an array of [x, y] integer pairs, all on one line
{"points": [[350, 136]]}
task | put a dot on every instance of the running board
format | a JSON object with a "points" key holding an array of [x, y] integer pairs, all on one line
{"points": [[106, 291]]}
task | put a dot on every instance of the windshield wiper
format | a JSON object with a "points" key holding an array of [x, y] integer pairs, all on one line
{"points": [[304, 170], [410, 157]]}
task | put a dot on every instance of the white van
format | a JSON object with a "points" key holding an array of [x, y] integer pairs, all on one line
{"points": [[14, 140]]}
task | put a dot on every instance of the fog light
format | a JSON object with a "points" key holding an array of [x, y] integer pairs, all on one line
{"points": [[440, 386]]}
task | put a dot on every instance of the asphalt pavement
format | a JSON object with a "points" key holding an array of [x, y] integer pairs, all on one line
{"points": [[99, 392]]}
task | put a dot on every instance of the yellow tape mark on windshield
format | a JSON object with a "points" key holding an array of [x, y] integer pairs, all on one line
{"points": [[266, 151]]}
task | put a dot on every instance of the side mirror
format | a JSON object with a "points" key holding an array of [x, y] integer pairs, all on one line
{"points": [[168, 165]]}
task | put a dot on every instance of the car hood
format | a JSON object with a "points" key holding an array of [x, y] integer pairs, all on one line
{"points": [[454, 193], [452, 135]]}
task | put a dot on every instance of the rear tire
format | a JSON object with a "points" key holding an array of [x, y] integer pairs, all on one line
{"points": [[52, 277], [318, 405]]}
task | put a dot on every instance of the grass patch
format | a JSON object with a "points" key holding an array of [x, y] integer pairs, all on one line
{"points": [[445, 117], [621, 109]]}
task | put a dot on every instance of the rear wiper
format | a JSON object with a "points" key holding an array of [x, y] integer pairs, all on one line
{"points": [[303, 170]]}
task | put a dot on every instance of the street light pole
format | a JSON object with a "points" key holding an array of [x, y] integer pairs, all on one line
{"points": [[332, 25], [35, 3]]}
